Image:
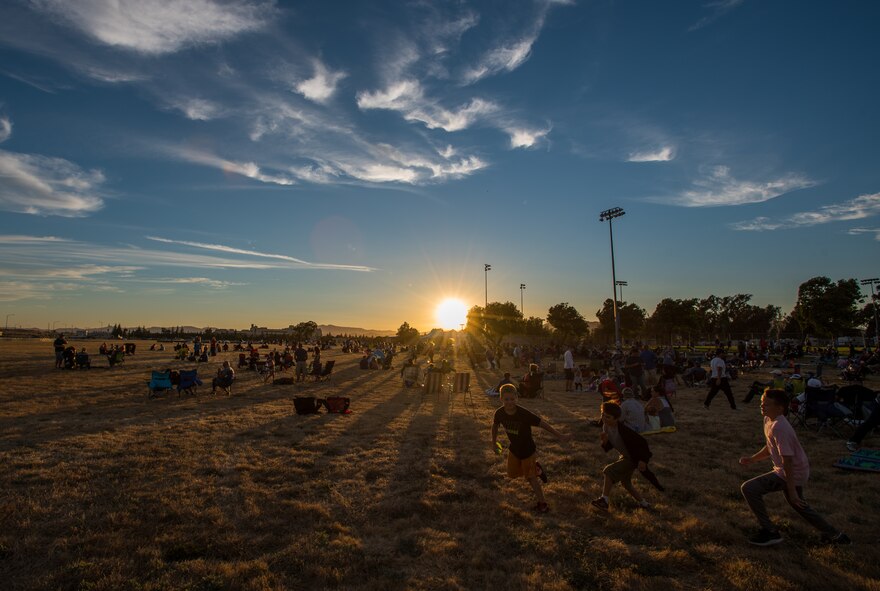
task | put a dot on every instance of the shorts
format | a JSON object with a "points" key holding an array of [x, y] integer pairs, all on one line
{"points": [[517, 468], [301, 367], [569, 374], [619, 471]]}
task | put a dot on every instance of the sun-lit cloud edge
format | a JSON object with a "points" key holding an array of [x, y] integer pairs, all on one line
{"points": [[718, 9], [860, 207]]}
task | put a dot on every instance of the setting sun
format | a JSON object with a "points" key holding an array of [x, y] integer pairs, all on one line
{"points": [[451, 313]]}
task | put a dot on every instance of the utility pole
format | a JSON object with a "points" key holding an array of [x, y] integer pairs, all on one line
{"points": [[486, 269], [607, 216], [871, 282]]}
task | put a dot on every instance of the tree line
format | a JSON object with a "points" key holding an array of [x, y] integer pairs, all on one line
{"points": [[823, 309]]}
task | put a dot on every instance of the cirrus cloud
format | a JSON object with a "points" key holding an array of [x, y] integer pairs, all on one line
{"points": [[859, 208], [42, 185], [720, 188]]}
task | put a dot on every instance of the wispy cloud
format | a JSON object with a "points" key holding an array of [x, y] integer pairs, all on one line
{"points": [[523, 137], [720, 188], [5, 129], [717, 9], [157, 27], [505, 58], [247, 169], [662, 154], [860, 231], [34, 184], [861, 207], [322, 85], [199, 281], [21, 239], [197, 109], [254, 253]]}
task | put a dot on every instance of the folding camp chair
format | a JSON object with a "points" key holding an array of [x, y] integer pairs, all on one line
{"points": [[189, 381], [854, 397], [116, 358], [433, 384], [461, 383], [821, 404], [160, 382], [410, 375], [325, 373]]}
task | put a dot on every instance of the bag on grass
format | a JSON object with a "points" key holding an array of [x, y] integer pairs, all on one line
{"points": [[306, 405], [288, 381], [338, 404]]}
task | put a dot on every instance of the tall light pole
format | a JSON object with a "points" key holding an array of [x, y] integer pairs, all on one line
{"points": [[607, 216], [54, 322], [7, 321], [522, 288], [486, 269], [871, 282], [621, 285]]}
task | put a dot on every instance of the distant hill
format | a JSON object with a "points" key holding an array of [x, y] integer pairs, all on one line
{"points": [[354, 331]]}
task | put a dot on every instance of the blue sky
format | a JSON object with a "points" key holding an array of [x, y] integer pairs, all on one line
{"points": [[220, 163]]}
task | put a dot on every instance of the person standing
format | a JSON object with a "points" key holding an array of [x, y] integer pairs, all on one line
{"points": [[568, 368], [649, 363], [791, 469], [60, 344], [720, 380], [635, 372]]}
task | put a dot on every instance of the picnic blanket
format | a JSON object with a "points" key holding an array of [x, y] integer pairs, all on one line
{"points": [[670, 429], [865, 460]]}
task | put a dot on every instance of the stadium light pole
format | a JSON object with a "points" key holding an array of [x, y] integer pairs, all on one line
{"points": [[7, 320], [486, 269], [621, 285], [871, 282], [522, 288], [54, 322], [607, 216]]}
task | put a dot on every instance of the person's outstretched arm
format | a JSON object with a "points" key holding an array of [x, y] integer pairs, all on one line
{"points": [[548, 427], [756, 457]]}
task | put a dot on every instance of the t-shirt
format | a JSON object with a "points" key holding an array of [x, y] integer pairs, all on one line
{"points": [[649, 359], [59, 344], [783, 441], [519, 430], [616, 441], [301, 354], [568, 360], [634, 364], [717, 368], [633, 414]]}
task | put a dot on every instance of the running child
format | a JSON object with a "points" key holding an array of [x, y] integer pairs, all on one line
{"points": [[521, 454]]}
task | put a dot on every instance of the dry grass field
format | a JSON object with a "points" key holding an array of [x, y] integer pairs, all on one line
{"points": [[103, 489]]}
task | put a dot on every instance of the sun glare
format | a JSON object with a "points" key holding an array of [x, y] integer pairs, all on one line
{"points": [[451, 313]]}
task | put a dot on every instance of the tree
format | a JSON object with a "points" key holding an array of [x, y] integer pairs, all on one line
{"points": [[495, 321], [825, 308], [632, 320], [407, 334], [567, 321], [534, 327], [304, 331], [673, 317]]}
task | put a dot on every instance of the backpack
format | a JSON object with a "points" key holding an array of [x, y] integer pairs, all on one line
{"points": [[307, 405], [338, 404]]}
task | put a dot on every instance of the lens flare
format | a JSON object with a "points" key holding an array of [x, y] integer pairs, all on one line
{"points": [[451, 313]]}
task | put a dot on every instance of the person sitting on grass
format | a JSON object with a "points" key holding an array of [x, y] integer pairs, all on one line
{"points": [[496, 391], [83, 360], [791, 469], [531, 382], [224, 379], [268, 370], [634, 453], [633, 413], [410, 373], [659, 410], [521, 454], [868, 425]]}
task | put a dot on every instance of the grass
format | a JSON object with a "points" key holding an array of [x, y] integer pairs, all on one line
{"points": [[103, 489]]}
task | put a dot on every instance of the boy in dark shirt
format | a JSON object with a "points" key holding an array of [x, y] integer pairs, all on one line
{"points": [[521, 456]]}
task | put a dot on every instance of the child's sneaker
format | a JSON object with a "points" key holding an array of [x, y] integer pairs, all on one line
{"points": [[765, 538], [600, 503], [541, 508], [541, 474]]}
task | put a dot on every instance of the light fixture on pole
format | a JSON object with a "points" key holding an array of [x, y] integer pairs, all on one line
{"points": [[621, 285], [871, 282], [7, 320], [486, 269], [522, 287], [607, 216]]}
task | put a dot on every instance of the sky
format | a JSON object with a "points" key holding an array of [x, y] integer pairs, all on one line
{"points": [[228, 162]]}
